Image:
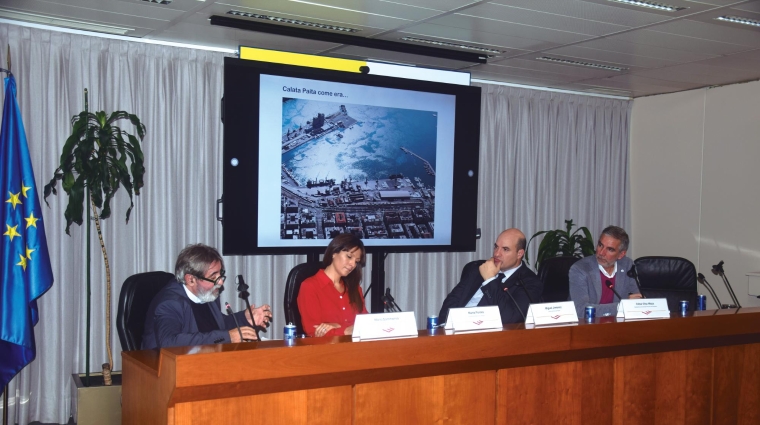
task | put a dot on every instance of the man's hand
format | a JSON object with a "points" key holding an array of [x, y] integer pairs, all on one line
{"points": [[324, 328], [248, 333], [262, 315], [635, 296], [488, 269]]}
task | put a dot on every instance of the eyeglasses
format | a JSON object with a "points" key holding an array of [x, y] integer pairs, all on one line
{"points": [[218, 281]]}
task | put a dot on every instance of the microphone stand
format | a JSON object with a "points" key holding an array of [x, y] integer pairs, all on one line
{"points": [[703, 281], [718, 269], [522, 285], [243, 294], [516, 306], [229, 311], [634, 273], [611, 286], [389, 304]]}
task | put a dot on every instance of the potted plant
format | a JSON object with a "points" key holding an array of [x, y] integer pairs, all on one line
{"points": [[562, 243], [97, 159]]}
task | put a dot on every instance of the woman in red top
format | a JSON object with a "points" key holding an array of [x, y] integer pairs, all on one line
{"points": [[330, 300]]}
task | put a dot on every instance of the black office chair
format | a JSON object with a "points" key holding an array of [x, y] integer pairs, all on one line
{"points": [[673, 278], [296, 276], [553, 272], [134, 299]]}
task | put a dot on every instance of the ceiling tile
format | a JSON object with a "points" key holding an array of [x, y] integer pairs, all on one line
{"points": [[701, 74], [619, 46], [709, 31], [678, 42], [550, 21], [464, 35], [634, 79], [597, 12], [623, 59], [508, 29], [746, 60], [439, 5], [397, 36]]}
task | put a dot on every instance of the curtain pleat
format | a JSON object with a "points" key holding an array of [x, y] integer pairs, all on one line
{"points": [[544, 157]]}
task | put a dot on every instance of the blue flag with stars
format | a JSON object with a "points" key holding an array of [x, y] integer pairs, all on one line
{"points": [[25, 272]]}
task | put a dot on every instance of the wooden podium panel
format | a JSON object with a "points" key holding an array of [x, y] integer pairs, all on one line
{"points": [[700, 369]]}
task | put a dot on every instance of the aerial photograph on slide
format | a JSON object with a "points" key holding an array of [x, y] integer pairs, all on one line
{"points": [[368, 170]]}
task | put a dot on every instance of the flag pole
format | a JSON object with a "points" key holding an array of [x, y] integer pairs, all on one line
{"points": [[5, 405], [5, 390]]}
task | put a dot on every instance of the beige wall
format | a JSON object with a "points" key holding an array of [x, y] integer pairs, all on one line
{"points": [[695, 181]]}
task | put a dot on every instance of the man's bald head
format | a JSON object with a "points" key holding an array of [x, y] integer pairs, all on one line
{"points": [[509, 249]]}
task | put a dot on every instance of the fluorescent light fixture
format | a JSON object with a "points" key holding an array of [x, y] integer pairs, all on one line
{"points": [[651, 5], [293, 21], [579, 63], [454, 45], [158, 1], [739, 20], [63, 22]]}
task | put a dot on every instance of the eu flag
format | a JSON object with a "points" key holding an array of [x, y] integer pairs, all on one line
{"points": [[25, 272]]}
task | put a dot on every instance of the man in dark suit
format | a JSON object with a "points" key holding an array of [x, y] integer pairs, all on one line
{"points": [[187, 311], [588, 276], [490, 282]]}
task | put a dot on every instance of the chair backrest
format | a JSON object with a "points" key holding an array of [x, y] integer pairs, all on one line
{"points": [[673, 278], [553, 272], [296, 276], [136, 294]]}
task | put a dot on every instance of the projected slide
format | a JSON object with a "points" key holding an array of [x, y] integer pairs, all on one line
{"points": [[371, 161]]}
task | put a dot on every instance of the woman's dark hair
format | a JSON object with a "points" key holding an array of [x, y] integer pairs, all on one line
{"points": [[347, 242]]}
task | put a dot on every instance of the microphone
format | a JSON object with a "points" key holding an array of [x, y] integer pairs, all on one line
{"points": [[703, 281], [229, 311], [522, 285], [718, 270], [611, 286], [633, 273], [243, 294]]}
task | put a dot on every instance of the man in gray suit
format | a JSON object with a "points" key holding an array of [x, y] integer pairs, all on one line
{"points": [[589, 276]]}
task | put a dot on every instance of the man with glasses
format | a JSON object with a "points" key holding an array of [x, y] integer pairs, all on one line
{"points": [[187, 311]]}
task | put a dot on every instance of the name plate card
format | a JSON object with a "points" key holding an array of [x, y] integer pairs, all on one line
{"points": [[472, 319], [644, 308], [551, 313], [369, 327]]}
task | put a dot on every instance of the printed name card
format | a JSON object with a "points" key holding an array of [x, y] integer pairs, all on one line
{"points": [[643, 308], [551, 313], [473, 319], [369, 327]]}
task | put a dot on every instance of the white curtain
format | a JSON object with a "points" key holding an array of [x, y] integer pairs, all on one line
{"points": [[545, 157]]}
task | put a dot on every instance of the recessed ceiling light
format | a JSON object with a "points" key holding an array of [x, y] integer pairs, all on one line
{"points": [[650, 4], [292, 21], [455, 45], [739, 20], [578, 63], [62, 22]]}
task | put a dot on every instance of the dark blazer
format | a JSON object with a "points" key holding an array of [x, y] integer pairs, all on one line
{"points": [[170, 321], [494, 291], [586, 285]]}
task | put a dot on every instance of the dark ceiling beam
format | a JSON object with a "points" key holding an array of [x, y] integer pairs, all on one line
{"points": [[352, 40]]}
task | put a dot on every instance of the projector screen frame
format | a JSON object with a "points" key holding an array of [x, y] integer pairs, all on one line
{"points": [[240, 115]]}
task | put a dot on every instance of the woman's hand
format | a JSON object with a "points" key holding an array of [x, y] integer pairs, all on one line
{"points": [[324, 328], [349, 330]]}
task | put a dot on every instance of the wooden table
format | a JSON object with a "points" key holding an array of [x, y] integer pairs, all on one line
{"points": [[700, 369]]}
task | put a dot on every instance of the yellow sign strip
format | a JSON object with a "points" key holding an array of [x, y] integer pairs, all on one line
{"points": [[299, 59]]}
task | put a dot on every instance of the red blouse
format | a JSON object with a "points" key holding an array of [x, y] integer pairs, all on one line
{"points": [[319, 302]]}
